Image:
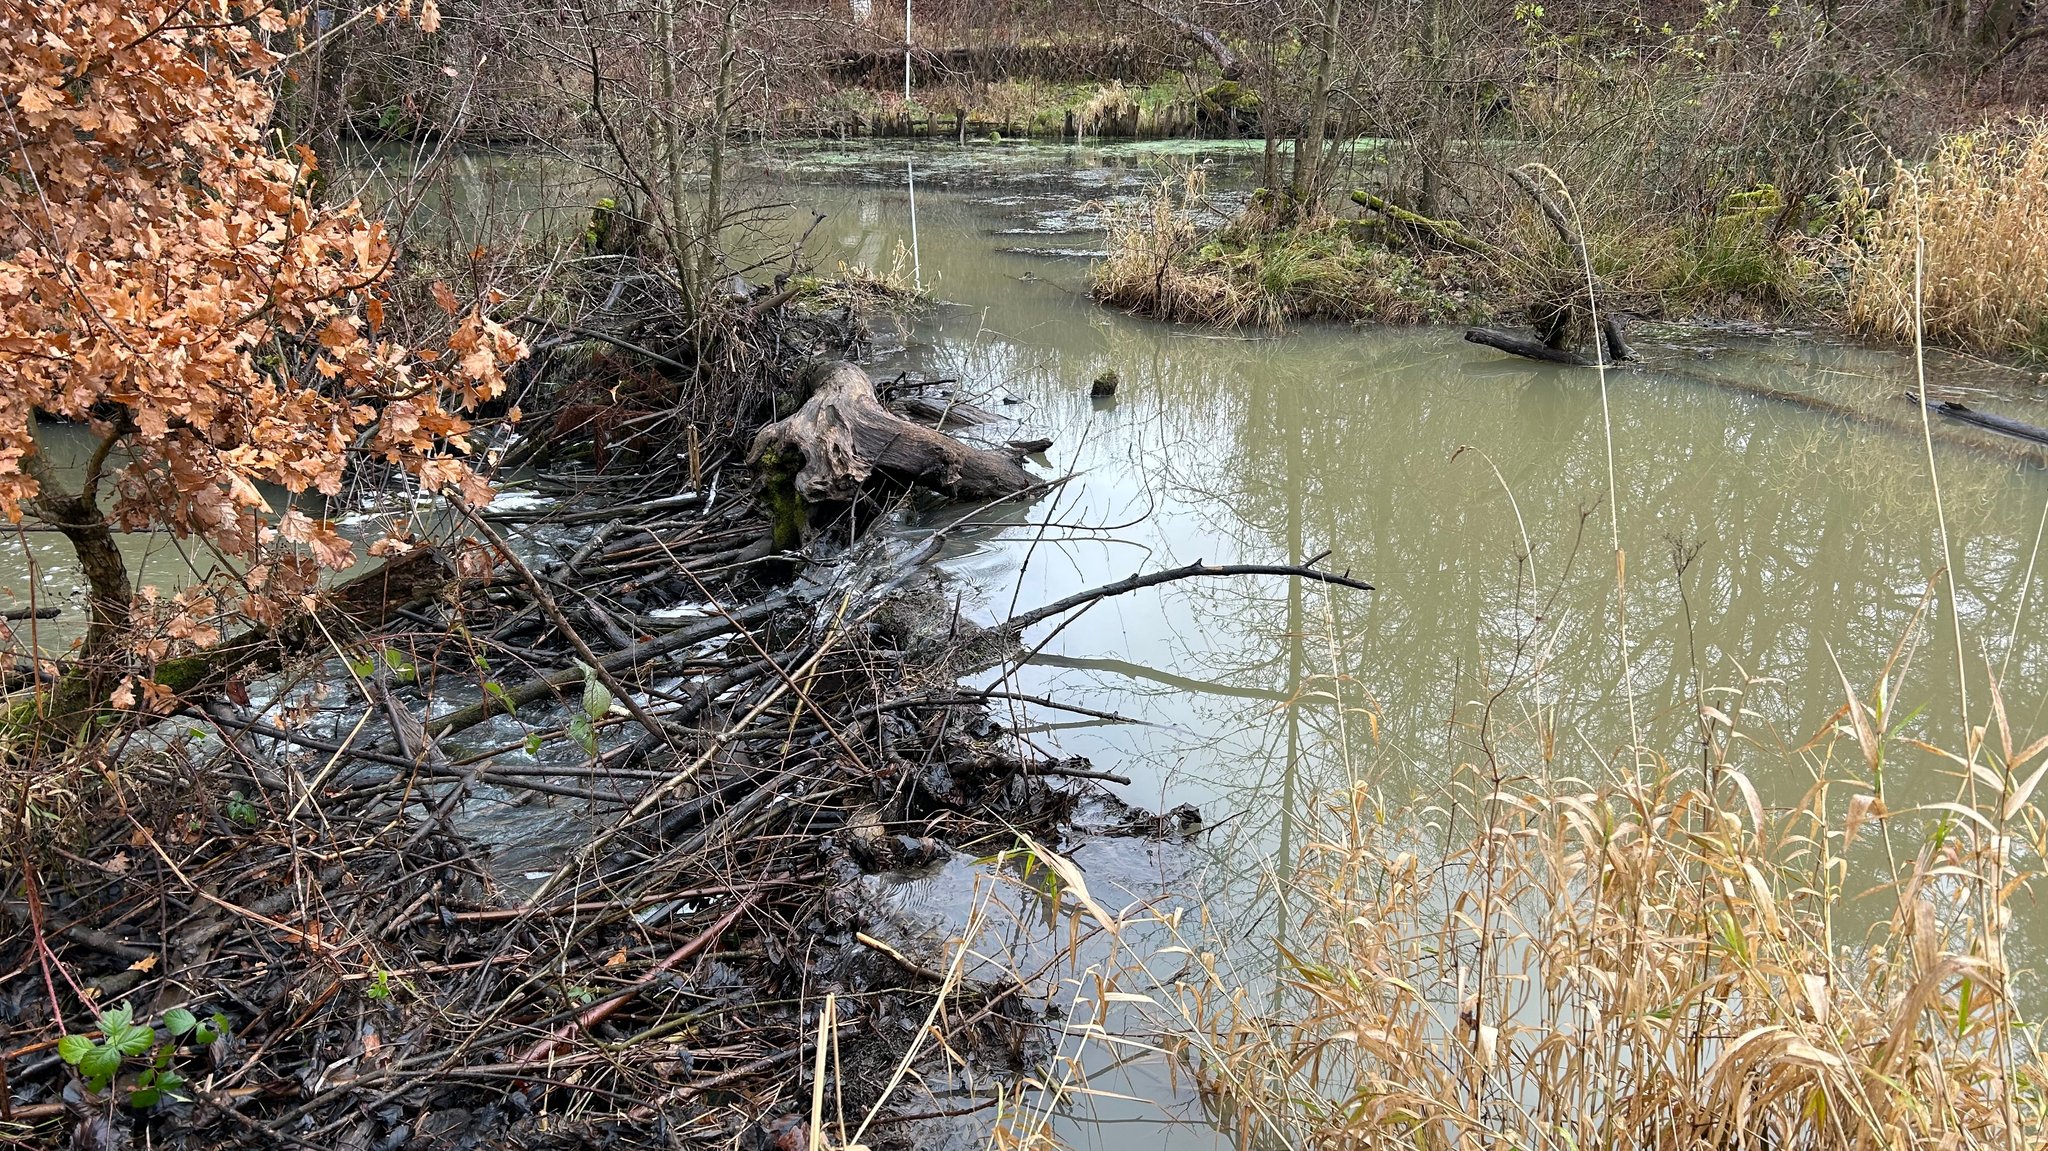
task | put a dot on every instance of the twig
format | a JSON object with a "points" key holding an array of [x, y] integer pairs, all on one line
{"points": [[604, 338], [631, 657], [553, 611], [605, 1008], [1136, 582]]}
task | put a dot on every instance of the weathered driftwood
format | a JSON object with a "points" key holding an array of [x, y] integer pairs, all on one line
{"points": [[945, 413], [843, 436]]}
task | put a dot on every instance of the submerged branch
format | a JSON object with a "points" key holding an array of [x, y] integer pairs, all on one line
{"points": [[1133, 583]]}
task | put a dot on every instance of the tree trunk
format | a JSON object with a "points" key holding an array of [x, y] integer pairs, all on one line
{"points": [[99, 665], [671, 150], [1307, 192], [843, 436], [714, 184]]}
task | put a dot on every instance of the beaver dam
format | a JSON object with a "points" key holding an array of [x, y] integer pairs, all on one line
{"points": [[803, 751]]}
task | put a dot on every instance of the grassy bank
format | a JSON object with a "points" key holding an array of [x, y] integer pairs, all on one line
{"points": [[1385, 264], [1164, 262], [1974, 215]]}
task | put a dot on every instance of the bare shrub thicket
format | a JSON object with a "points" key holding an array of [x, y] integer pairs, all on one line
{"points": [[1702, 148]]}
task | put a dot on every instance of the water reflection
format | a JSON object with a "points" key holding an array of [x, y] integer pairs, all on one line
{"points": [[1766, 544], [1813, 538]]}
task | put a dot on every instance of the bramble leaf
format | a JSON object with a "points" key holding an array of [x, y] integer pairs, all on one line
{"points": [[73, 1048], [131, 1039], [100, 1065]]}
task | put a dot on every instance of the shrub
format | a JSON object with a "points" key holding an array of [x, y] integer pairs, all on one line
{"points": [[168, 277]]}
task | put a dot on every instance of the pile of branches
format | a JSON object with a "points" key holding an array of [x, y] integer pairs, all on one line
{"points": [[282, 925], [733, 771], [628, 355]]}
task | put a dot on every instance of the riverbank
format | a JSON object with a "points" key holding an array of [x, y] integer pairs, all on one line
{"points": [[1967, 224], [1952, 248]]}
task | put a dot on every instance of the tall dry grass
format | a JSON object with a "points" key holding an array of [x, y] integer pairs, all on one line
{"points": [[1149, 270], [1980, 206], [1544, 963], [1664, 964], [1657, 959]]}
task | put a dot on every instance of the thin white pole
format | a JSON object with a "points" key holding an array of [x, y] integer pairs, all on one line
{"points": [[906, 51], [916, 263]]}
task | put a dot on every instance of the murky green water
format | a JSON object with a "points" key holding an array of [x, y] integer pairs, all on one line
{"points": [[1767, 544], [1472, 488]]}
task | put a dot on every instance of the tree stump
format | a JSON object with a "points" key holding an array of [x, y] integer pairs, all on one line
{"points": [[842, 437]]}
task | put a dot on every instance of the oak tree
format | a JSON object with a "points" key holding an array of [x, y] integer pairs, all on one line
{"points": [[167, 279]]}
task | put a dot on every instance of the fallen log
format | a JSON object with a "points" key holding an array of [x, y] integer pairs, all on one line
{"points": [[1515, 343], [843, 436], [2001, 424], [926, 410], [1567, 232], [1528, 347], [1219, 48], [1447, 230], [360, 604], [1565, 314]]}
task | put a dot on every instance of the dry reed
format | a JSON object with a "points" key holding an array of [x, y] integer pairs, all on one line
{"points": [[1980, 206], [1112, 108], [1666, 964]]}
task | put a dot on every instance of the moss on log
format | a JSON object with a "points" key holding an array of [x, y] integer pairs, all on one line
{"points": [[1447, 230]]}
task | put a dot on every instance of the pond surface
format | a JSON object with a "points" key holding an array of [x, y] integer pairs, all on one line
{"points": [[1771, 548], [1768, 544]]}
